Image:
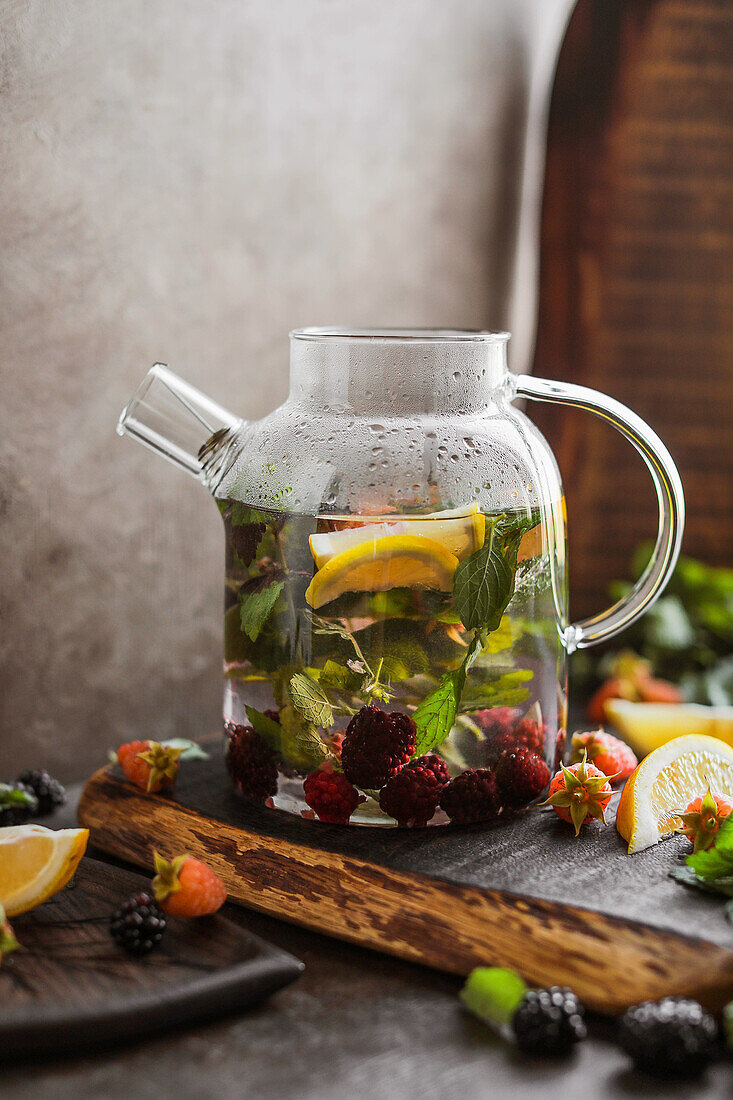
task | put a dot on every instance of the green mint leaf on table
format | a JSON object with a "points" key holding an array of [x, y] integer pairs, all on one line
{"points": [[493, 994], [257, 597], [11, 796], [190, 750], [687, 877], [483, 584], [269, 730], [310, 701]]}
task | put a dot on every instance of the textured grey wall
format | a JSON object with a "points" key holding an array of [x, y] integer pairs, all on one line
{"points": [[187, 182]]}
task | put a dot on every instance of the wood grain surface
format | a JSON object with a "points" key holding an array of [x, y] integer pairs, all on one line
{"points": [[71, 987], [523, 894], [636, 282]]}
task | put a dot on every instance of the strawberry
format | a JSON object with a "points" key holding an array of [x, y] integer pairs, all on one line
{"points": [[8, 941], [579, 793], [186, 887], [608, 753], [148, 765], [631, 679], [703, 817]]}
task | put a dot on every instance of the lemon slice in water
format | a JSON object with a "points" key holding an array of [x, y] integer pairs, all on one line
{"points": [[392, 561], [36, 863], [460, 531]]}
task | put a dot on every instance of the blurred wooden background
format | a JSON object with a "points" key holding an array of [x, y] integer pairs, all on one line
{"points": [[637, 272]]}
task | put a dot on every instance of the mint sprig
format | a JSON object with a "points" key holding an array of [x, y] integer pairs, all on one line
{"points": [[435, 715], [711, 871], [257, 598]]}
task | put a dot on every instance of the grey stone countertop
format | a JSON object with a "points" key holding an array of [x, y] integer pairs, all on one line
{"points": [[356, 1025]]}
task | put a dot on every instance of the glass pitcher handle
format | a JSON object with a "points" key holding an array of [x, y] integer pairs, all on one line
{"points": [[670, 497]]}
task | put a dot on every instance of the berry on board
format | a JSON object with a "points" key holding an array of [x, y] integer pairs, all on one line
{"points": [[48, 791], [138, 924], [149, 765], [186, 887], [549, 1022], [609, 754], [18, 804], [703, 817], [472, 796], [521, 774], [411, 797], [674, 1037], [376, 746], [331, 795], [580, 793], [251, 763]]}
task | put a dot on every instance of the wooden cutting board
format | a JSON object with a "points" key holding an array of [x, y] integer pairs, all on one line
{"points": [[524, 893], [71, 987]]}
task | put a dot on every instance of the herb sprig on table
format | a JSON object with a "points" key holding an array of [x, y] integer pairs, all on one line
{"points": [[712, 870]]}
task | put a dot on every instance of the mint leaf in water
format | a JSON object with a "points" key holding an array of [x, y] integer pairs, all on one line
{"points": [[257, 597], [310, 702], [506, 690], [269, 730], [483, 584], [435, 715], [493, 993]]}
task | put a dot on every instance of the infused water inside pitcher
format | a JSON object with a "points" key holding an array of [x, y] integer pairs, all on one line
{"points": [[370, 660]]}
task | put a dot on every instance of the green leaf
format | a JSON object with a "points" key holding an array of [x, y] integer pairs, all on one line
{"points": [[483, 584], [717, 862], [269, 730], [12, 796], [339, 677], [302, 745], [493, 993], [190, 750], [257, 597], [506, 690], [242, 514], [435, 715], [310, 702], [685, 875]]}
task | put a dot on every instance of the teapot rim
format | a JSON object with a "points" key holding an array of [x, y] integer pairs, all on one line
{"points": [[399, 335]]}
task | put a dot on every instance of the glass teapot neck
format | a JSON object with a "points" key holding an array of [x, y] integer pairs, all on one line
{"points": [[397, 372]]}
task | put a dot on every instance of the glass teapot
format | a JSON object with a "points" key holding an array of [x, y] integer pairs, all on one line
{"points": [[395, 594]]}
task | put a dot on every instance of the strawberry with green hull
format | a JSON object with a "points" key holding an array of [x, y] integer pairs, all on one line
{"points": [[608, 753], [703, 817], [149, 765], [580, 793], [186, 887]]}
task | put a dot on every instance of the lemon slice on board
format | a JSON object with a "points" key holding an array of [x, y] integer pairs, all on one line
{"points": [[460, 534], [646, 726], [666, 781], [35, 863], [394, 561]]}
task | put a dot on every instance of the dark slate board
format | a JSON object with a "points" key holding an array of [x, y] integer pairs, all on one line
{"points": [[71, 987]]}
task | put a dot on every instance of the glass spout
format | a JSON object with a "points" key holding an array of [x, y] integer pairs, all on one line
{"points": [[177, 421]]}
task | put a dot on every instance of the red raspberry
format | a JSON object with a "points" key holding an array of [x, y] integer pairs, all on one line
{"points": [[526, 733], [612, 756], [376, 746], [495, 720], [412, 796], [149, 765], [331, 795], [186, 887], [472, 796], [251, 764], [579, 793], [521, 774]]}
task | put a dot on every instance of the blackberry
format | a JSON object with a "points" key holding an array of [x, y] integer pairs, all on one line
{"points": [[251, 764], [376, 746], [138, 925], [521, 774], [48, 791], [674, 1037], [18, 803], [549, 1021], [472, 796], [412, 796], [331, 796]]}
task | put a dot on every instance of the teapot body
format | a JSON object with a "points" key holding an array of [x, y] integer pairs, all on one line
{"points": [[395, 597]]}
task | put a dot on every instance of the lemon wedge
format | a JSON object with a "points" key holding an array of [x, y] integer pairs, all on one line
{"points": [[460, 534], [666, 781], [35, 863], [393, 561], [646, 726]]}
